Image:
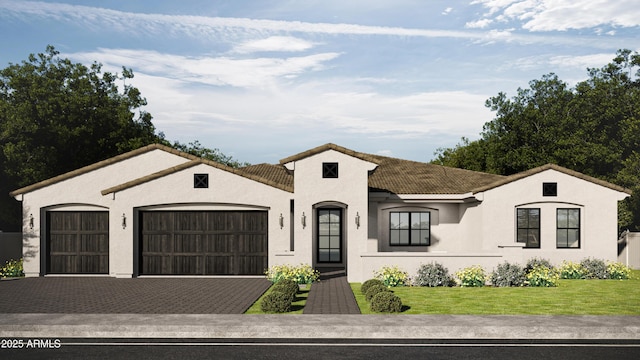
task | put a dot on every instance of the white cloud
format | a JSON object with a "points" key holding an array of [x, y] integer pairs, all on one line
{"points": [[274, 43], [479, 24], [447, 11], [555, 15], [218, 71]]}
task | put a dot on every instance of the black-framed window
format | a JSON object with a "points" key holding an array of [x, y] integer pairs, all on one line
{"points": [[201, 181], [549, 189], [528, 224], [568, 228], [330, 170], [408, 228]]}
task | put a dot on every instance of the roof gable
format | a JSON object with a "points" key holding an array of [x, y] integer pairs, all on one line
{"points": [[326, 147], [524, 174], [99, 165]]}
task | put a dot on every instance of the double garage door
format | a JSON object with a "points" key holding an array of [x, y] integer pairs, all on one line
{"points": [[170, 242], [203, 243]]}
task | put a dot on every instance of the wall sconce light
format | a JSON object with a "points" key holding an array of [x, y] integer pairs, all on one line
{"points": [[124, 221], [281, 221], [304, 220], [358, 220], [31, 221]]}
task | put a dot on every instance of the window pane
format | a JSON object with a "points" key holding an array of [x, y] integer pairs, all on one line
{"points": [[533, 238], [394, 220], [395, 237], [561, 238], [334, 255], [523, 218], [334, 216], [323, 255], [324, 242], [534, 218], [334, 229], [563, 220], [424, 237], [323, 229], [522, 236], [415, 237], [334, 242], [323, 217], [574, 218], [404, 237], [573, 238], [404, 220]]}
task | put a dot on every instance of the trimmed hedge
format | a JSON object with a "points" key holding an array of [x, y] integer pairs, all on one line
{"points": [[277, 302], [374, 290], [386, 301], [369, 283]]}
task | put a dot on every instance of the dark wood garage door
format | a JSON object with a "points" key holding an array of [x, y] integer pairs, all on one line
{"points": [[203, 243], [78, 242]]}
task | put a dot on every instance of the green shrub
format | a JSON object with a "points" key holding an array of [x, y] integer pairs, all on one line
{"points": [[369, 283], [386, 302], [301, 274], [277, 302], [432, 275], [594, 268], [506, 275], [392, 276], [288, 287], [535, 262], [473, 276], [374, 290], [542, 276], [12, 268], [571, 270], [618, 271]]}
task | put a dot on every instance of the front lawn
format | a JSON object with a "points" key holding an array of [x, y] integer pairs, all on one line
{"points": [[571, 297]]}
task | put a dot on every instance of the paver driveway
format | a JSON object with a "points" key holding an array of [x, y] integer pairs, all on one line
{"points": [[102, 295]]}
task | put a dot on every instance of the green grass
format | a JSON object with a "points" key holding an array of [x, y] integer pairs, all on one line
{"points": [[296, 307], [571, 297]]}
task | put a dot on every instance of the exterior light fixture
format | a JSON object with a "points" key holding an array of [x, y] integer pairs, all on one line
{"points": [[358, 220], [31, 221], [304, 220], [281, 221], [124, 221]]}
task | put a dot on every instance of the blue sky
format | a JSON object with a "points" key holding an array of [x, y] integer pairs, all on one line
{"points": [[262, 80]]}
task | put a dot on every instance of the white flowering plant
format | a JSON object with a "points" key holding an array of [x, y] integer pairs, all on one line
{"points": [[392, 276], [301, 274]]}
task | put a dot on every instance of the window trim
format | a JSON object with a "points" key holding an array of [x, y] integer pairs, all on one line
{"points": [[567, 229], [200, 181], [550, 189], [528, 228], [409, 230]]}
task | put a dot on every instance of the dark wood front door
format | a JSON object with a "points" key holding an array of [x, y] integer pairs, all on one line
{"points": [[78, 242], [203, 242]]}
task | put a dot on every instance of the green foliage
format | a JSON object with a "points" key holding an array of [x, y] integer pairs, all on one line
{"points": [[386, 302], [277, 302], [301, 274], [473, 276], [195, 148], [374, 290], [535, 262], [12, 268], [571, 270], [288, 287], [618, 271], [369, 283], [507, 274], [592, 128], [392, 276], [542, 276], [432, 275], [594, 269]]}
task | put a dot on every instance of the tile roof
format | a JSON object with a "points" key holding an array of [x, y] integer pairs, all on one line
{"points": [[275, 173], [555, 167]]}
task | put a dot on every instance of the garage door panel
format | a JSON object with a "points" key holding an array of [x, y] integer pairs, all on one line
{"points": [[205, 242], [78, 242]]}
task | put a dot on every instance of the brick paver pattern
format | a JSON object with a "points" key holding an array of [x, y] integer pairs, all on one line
{"points": [[332, 295], [102, 295]]}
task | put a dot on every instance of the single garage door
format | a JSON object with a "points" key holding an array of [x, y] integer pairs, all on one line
{"points": [[78, 242], [203, 243]]}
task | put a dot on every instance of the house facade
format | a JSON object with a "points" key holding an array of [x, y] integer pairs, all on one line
{"points": [[156, 211]]}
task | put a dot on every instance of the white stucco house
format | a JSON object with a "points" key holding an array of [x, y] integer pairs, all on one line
{"points": [[157, 211]]}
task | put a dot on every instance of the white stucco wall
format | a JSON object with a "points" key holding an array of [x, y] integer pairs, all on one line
{"points": [[83, 193], [350, 189]]}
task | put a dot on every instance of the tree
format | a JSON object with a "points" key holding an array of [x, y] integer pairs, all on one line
{"points": [[593, 128], [56, 116]]}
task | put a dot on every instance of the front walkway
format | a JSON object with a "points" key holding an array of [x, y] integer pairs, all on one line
{"points": [[332, 295]]}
